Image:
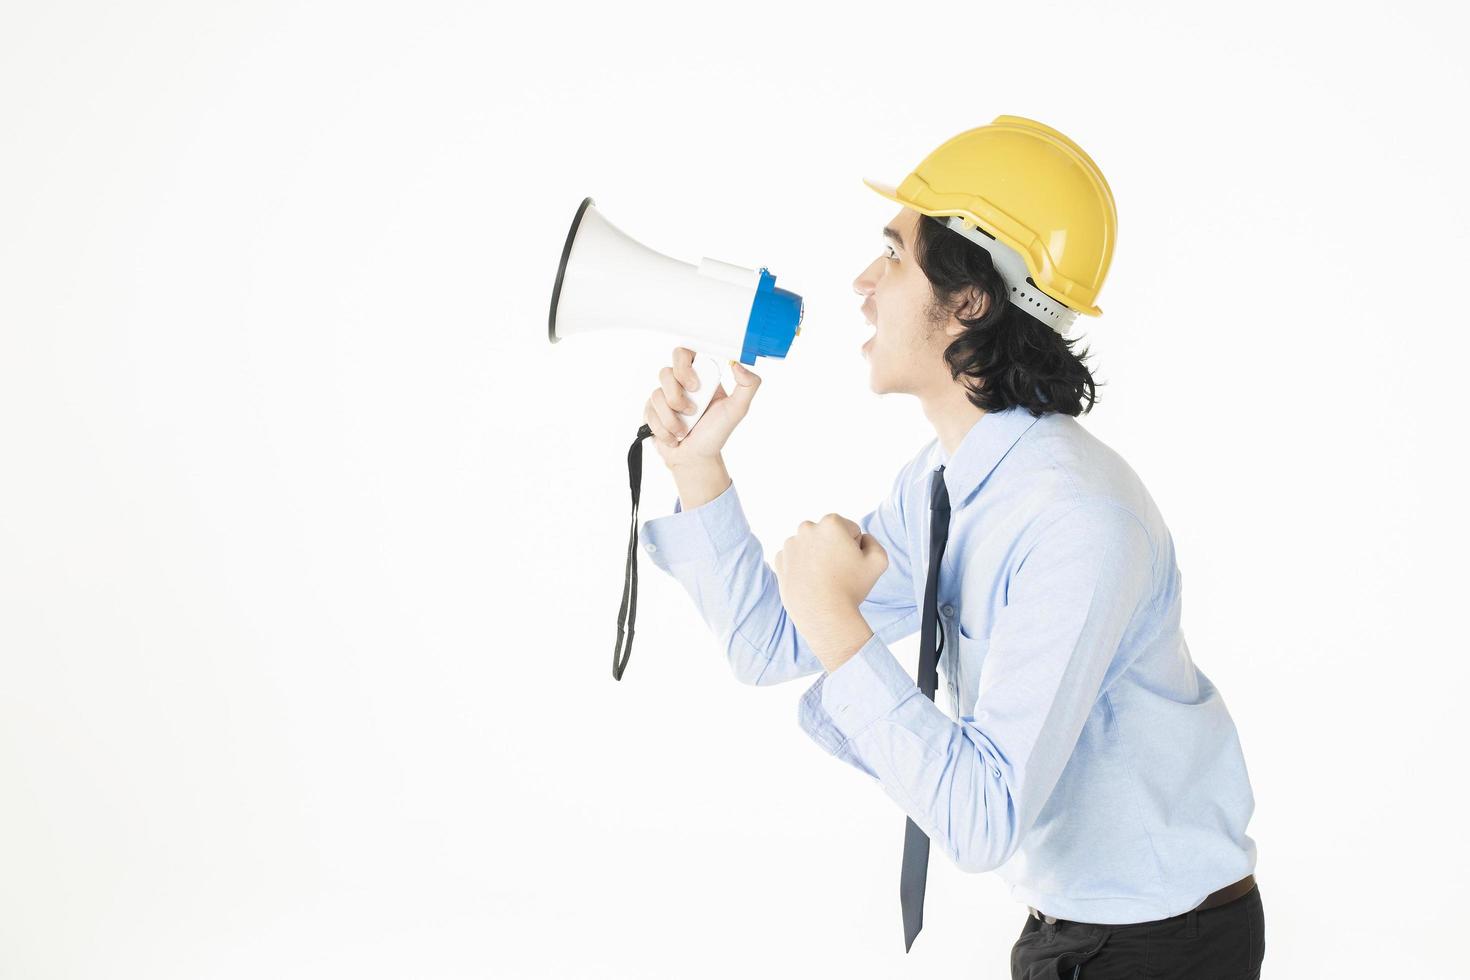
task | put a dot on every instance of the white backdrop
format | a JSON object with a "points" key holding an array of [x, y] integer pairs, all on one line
{"points": [[311, 545]]}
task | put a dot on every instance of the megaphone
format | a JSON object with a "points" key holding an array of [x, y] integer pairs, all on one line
{"points": [[609, 280]]}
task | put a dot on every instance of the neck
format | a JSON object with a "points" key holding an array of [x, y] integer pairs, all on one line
{"points": [[952, 415]]}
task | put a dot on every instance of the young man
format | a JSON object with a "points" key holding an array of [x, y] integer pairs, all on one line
{"points": [[1085, 758]]}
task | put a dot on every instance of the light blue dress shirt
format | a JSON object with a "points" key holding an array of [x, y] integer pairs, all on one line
{"points": [[1085, 758]]}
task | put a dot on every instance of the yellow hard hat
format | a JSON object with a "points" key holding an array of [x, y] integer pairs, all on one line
{"points": [[1032, 189]]}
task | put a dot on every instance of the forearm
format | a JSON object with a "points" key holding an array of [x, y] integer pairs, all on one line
{"points": [[946, 775], [701, 482], [709, 549]]}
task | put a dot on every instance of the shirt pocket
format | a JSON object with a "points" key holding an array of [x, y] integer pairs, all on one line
{"points": [[967, 671]]}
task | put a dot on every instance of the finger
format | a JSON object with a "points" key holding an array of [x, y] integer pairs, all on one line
{"points": [[684, 368], [672, 422], [851, 527], [656, 426], [674, 392], [743, 375], [746, 384]]}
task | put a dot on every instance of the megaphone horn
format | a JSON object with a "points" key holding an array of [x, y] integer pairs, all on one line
{"points": [[609, 280]]}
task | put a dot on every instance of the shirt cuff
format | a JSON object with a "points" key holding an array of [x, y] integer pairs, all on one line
{"points": [[695, 535], [868, 686], [846, 701], [818, 724]]}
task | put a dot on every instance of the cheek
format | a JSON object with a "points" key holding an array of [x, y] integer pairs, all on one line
{"points": [[891, 294]]}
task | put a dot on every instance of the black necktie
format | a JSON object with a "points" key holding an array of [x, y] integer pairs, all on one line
{"points": [[915, 841]]}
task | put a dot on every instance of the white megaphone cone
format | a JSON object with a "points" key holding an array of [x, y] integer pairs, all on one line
{"points": [[609, 281]]}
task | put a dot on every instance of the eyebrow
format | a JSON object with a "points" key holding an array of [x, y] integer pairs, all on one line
{"points": [[894, 234]]}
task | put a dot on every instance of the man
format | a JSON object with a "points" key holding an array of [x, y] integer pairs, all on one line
{"points": [[1085, 758]]}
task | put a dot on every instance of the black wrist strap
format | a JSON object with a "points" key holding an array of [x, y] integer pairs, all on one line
{"points": [[629, 609]]}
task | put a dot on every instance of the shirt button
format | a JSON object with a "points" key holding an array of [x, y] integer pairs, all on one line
{"points": [[995, 772], [651, 546], [947, 609]]}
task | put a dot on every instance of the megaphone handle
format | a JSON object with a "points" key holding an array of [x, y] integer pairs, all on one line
{"points": [[710, 372]]}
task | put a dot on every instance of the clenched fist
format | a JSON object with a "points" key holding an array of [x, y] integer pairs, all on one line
{"points": [[825, 571]]}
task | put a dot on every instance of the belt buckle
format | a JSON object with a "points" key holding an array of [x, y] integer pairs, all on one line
{"points": [[1051, 919]]}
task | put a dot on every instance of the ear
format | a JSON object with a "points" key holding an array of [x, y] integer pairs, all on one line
{"points": [[975, 304]]}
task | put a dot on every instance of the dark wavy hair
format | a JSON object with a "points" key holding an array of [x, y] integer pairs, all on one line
{"points": [[1006, 357]]}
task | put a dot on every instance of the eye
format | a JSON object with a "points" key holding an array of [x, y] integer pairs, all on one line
{"points": [[894, 256]]}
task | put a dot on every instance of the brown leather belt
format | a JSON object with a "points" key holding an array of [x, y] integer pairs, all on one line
{"points": [[1227, 894]]}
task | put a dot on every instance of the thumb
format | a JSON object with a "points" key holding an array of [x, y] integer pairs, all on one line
{"points": [[873, 551], [746, 382]]}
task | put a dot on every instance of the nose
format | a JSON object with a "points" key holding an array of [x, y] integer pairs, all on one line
{"points": [[866, 282]]}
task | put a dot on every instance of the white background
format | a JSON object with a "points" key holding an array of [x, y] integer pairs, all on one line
{"points": [[311, 545]]}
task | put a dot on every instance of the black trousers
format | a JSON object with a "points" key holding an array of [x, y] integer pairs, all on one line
{"points": [[1226, 942]]}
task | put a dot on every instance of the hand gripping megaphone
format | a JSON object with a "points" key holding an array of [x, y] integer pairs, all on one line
{"points": [[608, 280]]}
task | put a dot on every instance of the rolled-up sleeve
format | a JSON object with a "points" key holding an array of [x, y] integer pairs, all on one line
{"points": [[977, 785]]}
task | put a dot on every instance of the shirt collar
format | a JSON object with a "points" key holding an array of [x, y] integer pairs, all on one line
{"points": [[987, 442]]}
